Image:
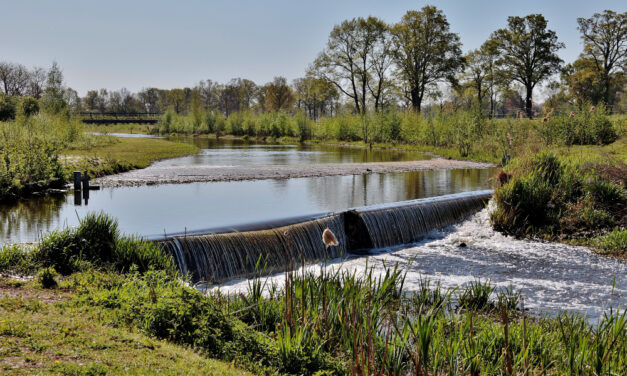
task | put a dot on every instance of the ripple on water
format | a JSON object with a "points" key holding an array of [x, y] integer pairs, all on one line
{"points": [[551, 277]]}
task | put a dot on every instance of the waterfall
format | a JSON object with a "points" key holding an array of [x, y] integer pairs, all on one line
{"points": [[217, 257], [408, 221]]}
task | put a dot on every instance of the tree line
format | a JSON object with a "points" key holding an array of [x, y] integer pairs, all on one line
{"points": [[369, 65]]}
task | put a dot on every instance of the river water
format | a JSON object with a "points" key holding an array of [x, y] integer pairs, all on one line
{"points": [[551, 277], [157, 209]]}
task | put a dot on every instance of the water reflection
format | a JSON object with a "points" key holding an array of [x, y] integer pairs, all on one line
{"points": [[244, 153], [152, 210]]}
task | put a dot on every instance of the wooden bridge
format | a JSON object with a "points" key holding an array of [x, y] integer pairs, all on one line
{"points": [[119, 118]]}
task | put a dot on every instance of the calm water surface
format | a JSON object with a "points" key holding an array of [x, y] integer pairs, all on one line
{"points": [[153, 210]]}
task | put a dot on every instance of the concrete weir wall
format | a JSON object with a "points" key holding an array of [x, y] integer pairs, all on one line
{"points": [[263, 248]]}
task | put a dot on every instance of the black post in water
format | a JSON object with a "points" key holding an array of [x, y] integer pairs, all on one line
{"points": [[77, 180], [85, 181]]}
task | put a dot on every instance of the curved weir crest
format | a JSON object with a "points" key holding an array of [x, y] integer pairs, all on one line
{"points": [[256, 249]]}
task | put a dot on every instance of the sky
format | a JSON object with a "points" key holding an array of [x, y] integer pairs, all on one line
{"points": [[136, 44]]}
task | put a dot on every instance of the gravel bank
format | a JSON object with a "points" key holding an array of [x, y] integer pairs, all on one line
{"points": [[190, 174]]}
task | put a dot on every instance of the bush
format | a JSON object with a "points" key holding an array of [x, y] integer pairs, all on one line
{"points": [[587, 126], [28, 107], [549, 197], [164, 308], [96, 241], [7, 107], [46, 278]]}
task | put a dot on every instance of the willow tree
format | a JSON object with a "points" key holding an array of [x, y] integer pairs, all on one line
{"points": [[425, 51], [528, 53], [605, 45]]}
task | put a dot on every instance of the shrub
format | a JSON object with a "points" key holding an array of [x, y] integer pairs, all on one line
{"points": [[46, 278], [96, 241], [7, 107], [549, 197], [28, 107], [132, 251]]}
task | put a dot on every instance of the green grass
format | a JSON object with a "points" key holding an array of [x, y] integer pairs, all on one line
{"points": [[42, 332], [120, 128], [123, 154]]}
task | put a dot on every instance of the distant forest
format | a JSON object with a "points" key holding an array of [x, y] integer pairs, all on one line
{"points": [[368, 65]]}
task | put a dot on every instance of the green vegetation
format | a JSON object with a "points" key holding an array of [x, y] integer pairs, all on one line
{"points": [[337, 322], [45, 332], [123, 154], [547, 196], [40, 152]]}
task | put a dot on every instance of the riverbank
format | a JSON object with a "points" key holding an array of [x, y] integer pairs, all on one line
{"points": [[326, 320], [123, 154], [43, 331]]}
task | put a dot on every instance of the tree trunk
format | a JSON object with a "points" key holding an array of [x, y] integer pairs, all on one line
{"points": [[529, 103], [416, 99]]}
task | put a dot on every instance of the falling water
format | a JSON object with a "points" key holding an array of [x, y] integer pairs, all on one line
{"points": [[218, 257], [408, 221]]}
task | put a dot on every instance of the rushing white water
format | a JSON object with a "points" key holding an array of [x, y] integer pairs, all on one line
{"points": [[551, 277]]}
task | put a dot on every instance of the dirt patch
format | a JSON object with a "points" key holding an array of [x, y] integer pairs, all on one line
{"points": [[205, 173], [44, 296]]}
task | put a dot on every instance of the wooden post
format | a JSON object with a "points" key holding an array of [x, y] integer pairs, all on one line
{"points": [[77, 180], [85, 181]]}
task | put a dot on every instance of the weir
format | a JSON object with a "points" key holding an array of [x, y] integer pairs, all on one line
{"points": [[276, 246]]}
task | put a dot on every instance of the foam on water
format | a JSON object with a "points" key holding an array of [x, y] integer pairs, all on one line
{"points": [[551, 277]]}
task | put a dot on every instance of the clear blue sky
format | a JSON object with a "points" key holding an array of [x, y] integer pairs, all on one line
{"points": [[135, 44]]}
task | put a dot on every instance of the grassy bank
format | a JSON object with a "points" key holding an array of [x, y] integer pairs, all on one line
{"points": [[123, 154], [332, 323], [40, 152], [580, 196], [42, 331]]}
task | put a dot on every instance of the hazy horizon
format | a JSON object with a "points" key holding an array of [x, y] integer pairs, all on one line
{"points": [[160, 44]]}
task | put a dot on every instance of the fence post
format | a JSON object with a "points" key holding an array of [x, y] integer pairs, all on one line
{"points": [[85, 181], [77, 180]]}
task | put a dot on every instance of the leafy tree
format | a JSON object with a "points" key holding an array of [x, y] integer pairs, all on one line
{"points": [[278, 95], [480, 74], [425, 51], [53, 101], [528, 53], [605, 44], [355, 53], [316, 95]]}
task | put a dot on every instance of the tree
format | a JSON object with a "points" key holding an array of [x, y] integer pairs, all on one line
{"points": [[425, 51], [150, 99], [528, 53], [278, 95], [355, 52], [316, 95], [53, 101], [605, 43], [36, 82]]}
